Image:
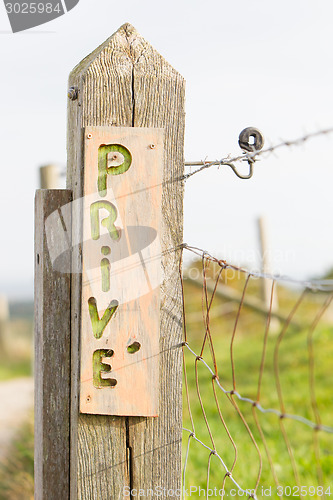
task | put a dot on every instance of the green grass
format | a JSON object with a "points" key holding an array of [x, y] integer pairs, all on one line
{"points": [[17, 471], [16, 356], [10, 368], [293, 362], [16, 477]]}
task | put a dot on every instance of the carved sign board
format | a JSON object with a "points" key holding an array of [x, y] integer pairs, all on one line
{"points": [[121, 271]]}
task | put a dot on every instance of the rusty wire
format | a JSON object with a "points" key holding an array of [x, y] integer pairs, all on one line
{"points": [[234, 396], [325, 285]]}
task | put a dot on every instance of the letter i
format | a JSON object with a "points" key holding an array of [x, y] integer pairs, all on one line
{"points": [[105, 268]]}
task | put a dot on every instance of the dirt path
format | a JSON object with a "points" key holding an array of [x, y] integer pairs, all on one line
{"points": [[16, 399]]}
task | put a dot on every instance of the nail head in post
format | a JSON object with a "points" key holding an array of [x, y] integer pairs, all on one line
{"points": [[244, 139], [152, 146], [73, 93], [89, 136]]}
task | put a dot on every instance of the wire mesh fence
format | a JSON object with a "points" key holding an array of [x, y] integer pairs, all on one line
{"points": [[257, 384]]}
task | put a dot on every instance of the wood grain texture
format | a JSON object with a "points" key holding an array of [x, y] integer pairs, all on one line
{"points": [[125, 82], [158, 96], [104, 82], [52, 357], [134, 258]]}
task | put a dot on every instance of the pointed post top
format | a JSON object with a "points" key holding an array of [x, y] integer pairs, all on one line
{"points": [[125, 49]]}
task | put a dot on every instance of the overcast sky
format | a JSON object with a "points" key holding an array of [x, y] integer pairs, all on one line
{"points": [[260, 63]]}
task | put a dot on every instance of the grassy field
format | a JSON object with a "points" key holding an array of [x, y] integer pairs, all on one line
{"points": [[16, 475], [17, 471], [16, 353], [293, 361]]}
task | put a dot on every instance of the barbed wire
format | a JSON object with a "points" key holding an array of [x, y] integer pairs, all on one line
{"points": [[252, 156], [248, 156], [233, 395]]}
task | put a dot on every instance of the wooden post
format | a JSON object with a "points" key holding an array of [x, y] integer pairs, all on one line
{"points": [[52, 351], [126, 83], [266, 267], [49, 177]]}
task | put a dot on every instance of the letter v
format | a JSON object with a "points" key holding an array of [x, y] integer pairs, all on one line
{"points": [[99, 325]]}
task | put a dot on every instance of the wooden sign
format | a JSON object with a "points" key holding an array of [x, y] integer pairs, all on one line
{"points": [[121, 271]]}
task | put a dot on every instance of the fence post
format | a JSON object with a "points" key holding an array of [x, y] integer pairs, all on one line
{"points": [[52, 353], [49, 177], [266, 268], [126, 83]]}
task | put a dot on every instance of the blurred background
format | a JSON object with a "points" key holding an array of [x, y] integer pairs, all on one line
{"points": [[262, 64]]}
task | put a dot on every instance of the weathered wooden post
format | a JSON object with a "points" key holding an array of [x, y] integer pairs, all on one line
{"points": [[125, 162], [52, 351], [126, 83]]}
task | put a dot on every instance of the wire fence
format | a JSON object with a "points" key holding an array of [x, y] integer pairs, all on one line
{"points": [[257, 379], [258, 397], [239, 368]]}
